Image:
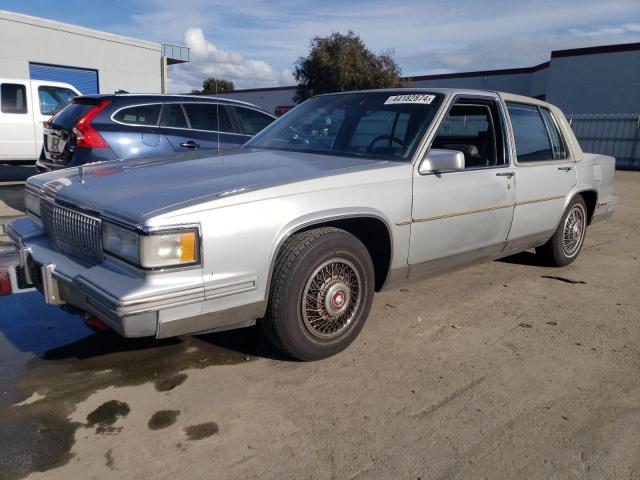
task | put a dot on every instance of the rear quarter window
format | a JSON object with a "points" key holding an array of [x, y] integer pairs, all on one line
{"points": [[138, 115]]}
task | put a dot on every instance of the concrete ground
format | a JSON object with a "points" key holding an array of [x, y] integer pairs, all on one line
{"points": [[504, 370]]}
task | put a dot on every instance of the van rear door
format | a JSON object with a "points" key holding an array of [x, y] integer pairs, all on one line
{"points": [[17, 131]]}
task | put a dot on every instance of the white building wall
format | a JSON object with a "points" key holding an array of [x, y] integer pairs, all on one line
{"points": [[122, 62]]}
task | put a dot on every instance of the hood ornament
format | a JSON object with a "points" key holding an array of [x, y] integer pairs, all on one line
{"points": [[81, 174], [231, 192]]}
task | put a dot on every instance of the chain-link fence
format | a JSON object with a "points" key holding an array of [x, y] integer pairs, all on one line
{"points": [[617, 135]]}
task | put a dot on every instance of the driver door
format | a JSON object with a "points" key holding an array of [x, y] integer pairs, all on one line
{"points": [[465, 215]]}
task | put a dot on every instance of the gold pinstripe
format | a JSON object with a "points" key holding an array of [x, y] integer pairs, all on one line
{"points": [[543, 199], [477, 210]]}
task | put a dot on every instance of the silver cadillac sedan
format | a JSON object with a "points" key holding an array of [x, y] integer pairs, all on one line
{"points": [[345, 195]]}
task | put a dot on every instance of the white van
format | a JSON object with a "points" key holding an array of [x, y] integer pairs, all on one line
{"points": [[24, 105]]}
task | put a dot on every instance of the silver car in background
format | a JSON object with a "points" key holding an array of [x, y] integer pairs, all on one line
{"points": [[345, 195]]}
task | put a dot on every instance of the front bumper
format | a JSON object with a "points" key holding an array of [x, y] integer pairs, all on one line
{"points": [[131, 303]]}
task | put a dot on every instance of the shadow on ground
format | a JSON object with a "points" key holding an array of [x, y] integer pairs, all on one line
{"points": [[525, 258], [16, 173]]}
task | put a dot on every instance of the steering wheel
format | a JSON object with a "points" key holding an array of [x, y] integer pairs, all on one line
{"points": [[387, 137], [300, 136]]}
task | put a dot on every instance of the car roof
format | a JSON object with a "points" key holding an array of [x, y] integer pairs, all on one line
{"points": [[151, 97], [31, 80], [448, 92]]}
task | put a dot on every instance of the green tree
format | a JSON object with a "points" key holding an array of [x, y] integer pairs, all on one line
{"points": [[339, 63], [209, 85]]}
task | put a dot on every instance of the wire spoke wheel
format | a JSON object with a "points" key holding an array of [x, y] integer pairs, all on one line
{"points": [[331, 298], [573, 230]]}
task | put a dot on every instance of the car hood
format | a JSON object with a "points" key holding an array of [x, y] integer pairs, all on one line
{"points": [[139, 188]]}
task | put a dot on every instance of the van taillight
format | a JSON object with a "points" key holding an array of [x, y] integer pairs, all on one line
{"points": [[86, 135]]}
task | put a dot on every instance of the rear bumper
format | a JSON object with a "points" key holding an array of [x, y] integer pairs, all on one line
{"points": [[132, 304], [605, 208]]}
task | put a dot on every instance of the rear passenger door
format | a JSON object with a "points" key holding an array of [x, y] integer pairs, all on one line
{"points": [[197, 126], [545, 173], [134, 132]]}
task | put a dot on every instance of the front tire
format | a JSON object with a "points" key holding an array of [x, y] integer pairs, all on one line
{"points": [[565, 245], [321, 293]]}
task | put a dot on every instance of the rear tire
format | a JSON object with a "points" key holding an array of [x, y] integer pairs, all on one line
{"points": [[321, 293], [565, 245]]}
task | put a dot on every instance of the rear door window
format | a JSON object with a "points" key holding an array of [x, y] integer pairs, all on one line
{"points": [[252, 121], [139, 115], [13, 98], [558, 144], [530, 133], [208, 116], [53, 99], [173, 116]]}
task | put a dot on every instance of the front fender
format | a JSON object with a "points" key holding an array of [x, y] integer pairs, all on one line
{"points": [[319, 218]]}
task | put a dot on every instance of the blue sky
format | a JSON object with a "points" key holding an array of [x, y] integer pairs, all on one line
{"points": [[256, 42]]}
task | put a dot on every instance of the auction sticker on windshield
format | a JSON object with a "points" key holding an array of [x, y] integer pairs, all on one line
{"points": [[415, 98]]}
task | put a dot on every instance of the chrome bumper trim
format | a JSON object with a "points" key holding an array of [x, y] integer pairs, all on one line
{"points": [[50, 288], [233, 317], [139, 305], [23, 254]]}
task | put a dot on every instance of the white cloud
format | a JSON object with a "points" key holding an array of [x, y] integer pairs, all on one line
{"points": [[207, 60], [258, 41]]}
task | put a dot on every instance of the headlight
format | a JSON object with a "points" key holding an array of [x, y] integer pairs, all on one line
{"points": [[32, 202], [169, 249], [155, 250], [121, 242]]}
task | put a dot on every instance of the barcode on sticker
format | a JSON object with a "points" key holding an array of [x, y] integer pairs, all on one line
{"points": [[414, 98]]}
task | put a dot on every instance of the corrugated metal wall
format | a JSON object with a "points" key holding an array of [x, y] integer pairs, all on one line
{"points": [[617, 135], [85, 80]]}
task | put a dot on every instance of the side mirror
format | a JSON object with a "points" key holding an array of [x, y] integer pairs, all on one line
{"points": [[440, 160]]}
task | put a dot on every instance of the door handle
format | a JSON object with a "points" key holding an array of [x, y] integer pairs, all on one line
{"points": [[190, 144], [565, 169], [505, 174]]}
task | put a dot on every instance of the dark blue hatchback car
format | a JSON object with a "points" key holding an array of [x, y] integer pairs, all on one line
{"points": [[107, 127]]}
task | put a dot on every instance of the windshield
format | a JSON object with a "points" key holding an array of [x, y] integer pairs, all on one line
{"points": [[377, 125]]}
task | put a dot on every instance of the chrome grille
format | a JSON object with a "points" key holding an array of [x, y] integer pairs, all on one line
{"points": [[74, 233]]}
